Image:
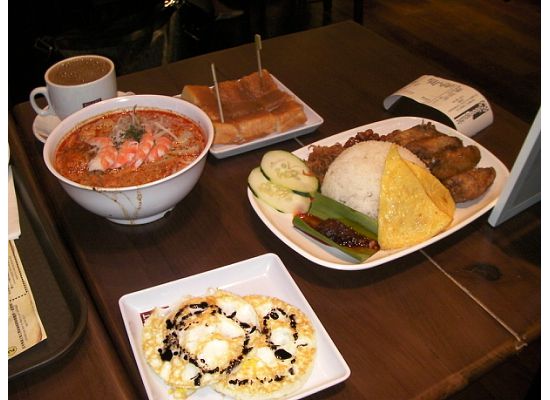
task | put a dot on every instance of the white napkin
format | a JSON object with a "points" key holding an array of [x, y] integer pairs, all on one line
{"points": [[14, 230]]}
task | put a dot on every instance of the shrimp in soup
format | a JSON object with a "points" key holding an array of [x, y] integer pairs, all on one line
{"points": [[129, 148]]}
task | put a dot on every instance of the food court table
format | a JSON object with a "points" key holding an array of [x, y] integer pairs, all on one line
{"points": [[421, 326]]}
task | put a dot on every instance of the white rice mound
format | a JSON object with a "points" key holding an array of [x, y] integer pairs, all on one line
{"points": [[354, 177]]}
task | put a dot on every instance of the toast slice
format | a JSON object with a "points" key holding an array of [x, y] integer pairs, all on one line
{"points": [[256, 86], [264, 89], [256, 125], [235, 101], [227, 133], [203, 97], [289, 115], [252, 107]]}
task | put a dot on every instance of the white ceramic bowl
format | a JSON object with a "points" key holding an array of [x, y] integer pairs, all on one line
{"points": [[135, 204]]}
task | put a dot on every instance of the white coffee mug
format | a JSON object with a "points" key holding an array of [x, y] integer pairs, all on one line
{"points": [[74, 83]]}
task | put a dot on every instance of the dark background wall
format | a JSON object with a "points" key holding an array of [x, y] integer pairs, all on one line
{"points": [[497, 43], [137, 34]]}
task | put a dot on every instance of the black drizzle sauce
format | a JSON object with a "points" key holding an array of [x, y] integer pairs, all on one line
{"points": [[182, 320], [280, 353]]}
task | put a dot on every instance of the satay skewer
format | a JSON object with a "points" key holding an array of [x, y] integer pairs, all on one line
{"points": [[258, 42], [217, 90]]}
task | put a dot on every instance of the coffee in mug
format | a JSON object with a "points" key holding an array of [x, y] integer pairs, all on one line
{"points": [[79, 70], [75, 83]]}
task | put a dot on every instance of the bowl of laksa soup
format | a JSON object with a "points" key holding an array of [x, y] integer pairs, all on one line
{"points": [[130, 159]]}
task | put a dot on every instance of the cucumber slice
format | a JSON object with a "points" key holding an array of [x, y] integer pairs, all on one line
{"points": [[285, 169], [279, 197]]}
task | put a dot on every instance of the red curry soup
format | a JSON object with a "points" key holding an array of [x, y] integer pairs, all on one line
{"points": [[129, 148]]}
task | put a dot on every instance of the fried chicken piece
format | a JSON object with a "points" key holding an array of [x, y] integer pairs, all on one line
{"points": [[450, 162], [470, 184], [427, 148], [417, 132]]}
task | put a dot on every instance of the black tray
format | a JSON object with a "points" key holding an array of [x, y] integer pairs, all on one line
{"points": [[53, 278]]}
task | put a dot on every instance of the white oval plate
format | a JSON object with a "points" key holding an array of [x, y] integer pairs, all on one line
{"points": [[281, 224]]}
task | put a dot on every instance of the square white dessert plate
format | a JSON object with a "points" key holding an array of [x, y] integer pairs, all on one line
{"points": [[264, 275]]}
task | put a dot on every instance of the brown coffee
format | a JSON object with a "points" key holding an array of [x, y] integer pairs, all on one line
{"points": [[76, 71]]}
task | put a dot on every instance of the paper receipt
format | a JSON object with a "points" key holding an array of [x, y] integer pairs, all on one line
{"points": [[468, 110], [24, 326]]}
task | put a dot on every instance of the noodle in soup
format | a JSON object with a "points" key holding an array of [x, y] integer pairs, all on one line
{"points": [[129, 148]]}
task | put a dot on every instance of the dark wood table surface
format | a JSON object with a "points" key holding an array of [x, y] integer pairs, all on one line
{"points": [[421, 326], [65, 371]]}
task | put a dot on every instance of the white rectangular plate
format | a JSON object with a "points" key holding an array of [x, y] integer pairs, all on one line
{"points": [[264, 275], [281, 224], [313, 121]]}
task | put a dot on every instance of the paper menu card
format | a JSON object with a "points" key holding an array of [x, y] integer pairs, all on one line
{"points": [[25, 328], [467, 109]]}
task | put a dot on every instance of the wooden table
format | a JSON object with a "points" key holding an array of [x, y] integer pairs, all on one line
{"points": [[411, 328]]}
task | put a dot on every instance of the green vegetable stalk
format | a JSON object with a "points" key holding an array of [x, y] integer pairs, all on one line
{"points": [[357, 232]]}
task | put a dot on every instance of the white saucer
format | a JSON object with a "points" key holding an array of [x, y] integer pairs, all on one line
{"points": [[43, 125]]}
